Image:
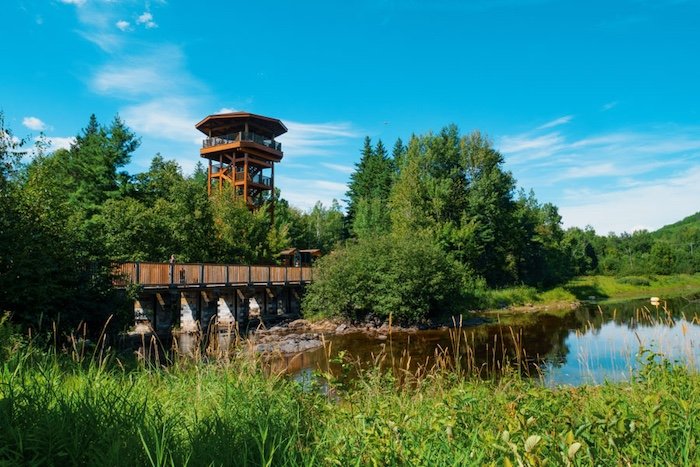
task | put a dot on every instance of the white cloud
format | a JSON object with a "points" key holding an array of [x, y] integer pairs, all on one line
{"points": [[609, 105], [60, 142], [304, 193], [98, 20], [33, 123], [557, 122], [588, 171], [146, 18], [226, 110], [141, 76], [319, 139], [614, 181], [128, 80], [106, 41], [526, 147], [169, 118], [346, 169], [652, 205]]}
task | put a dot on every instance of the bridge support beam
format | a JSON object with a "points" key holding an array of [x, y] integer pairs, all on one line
{"points": [[193, 310], [208, 311], [144, 310], [189, 311], [226, 308], [294, 298], [164, 311]]}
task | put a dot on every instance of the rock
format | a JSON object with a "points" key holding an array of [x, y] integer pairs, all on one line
{"points": [[341, 328], [298, 323], [264, 348], [288, 344]]}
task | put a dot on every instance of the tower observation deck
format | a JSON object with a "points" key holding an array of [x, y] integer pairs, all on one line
{"points": [[242, 153]]}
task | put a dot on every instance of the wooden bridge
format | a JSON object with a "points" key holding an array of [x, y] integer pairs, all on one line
{"points": [[190, 296], [203, 275]]}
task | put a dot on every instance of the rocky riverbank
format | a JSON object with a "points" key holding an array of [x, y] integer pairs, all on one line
{"points": [[301, 335]]}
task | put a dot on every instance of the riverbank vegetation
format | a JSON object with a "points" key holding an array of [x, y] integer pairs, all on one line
{"points": [[431, 226], [85, 406], [595, 288], [502, 246]]}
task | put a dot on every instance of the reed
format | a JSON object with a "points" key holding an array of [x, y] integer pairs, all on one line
{"points": [[84, 405]]}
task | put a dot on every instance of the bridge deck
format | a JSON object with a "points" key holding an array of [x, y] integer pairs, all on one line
{"points": [[202, 275]]}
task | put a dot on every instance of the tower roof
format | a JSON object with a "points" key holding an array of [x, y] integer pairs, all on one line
{"points": [[223, 124]]}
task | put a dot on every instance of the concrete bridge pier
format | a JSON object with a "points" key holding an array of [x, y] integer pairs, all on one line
{"points": [[144, 311], [226, 308], [189, 311]]}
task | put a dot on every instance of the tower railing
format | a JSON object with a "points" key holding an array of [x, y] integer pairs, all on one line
{"points": [[259, 178], [242, 136]]}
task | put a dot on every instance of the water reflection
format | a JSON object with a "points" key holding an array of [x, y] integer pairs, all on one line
{"points": [[589, 344]]}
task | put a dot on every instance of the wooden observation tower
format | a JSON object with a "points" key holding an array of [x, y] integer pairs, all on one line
{"points": [[242, 152]]}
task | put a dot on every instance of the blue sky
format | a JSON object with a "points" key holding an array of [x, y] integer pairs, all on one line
{"points": [[594, 104]]}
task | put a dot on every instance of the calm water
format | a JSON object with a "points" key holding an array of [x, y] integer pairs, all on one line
{"points": [[590, 344]]}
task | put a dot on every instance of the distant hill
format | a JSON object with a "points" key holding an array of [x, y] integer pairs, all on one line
{"points": [[684, 230]]}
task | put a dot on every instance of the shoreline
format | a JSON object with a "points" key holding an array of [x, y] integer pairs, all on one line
{"points": [[300, 335]]}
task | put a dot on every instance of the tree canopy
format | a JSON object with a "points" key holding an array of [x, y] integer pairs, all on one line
{"points": [[68, 215]]}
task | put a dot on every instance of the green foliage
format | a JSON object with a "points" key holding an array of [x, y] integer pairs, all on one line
{"points": [[369, 189], [51, 267], [599, 286], [673, 249], [633, 280], [409, 278], [452, 190], [59, 409]]}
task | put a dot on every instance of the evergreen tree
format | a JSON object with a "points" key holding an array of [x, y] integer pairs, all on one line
{"points": [[369, 190]]}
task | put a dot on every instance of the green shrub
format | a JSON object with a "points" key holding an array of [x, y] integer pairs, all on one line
{"points": [[634, 280], [409, 278]]}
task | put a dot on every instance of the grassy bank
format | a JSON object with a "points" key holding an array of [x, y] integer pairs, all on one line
{"points": [[601, 288], [57, 409]]}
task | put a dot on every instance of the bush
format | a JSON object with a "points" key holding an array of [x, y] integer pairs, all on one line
{"points": [[407, 277], [633, 280]]}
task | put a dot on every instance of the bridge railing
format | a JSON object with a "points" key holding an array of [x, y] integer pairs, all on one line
{"points": [[150, 274]]}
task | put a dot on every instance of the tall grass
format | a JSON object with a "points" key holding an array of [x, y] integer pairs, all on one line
{"points": [[58, 408]]}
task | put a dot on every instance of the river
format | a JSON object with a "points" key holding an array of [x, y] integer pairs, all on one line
{"points": [[588, 344]]}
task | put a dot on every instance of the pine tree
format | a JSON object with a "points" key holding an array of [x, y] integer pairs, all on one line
{"points": [[369, 190]]}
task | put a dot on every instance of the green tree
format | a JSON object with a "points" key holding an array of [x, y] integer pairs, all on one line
{"points": [[579, 244], [489, 211], [47, 271], [662, 258], [408, 277], [368, 191]]}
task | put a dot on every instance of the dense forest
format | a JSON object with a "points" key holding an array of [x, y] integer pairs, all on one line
{"points": [[67, 215], [439, 221], [427, 224]]}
